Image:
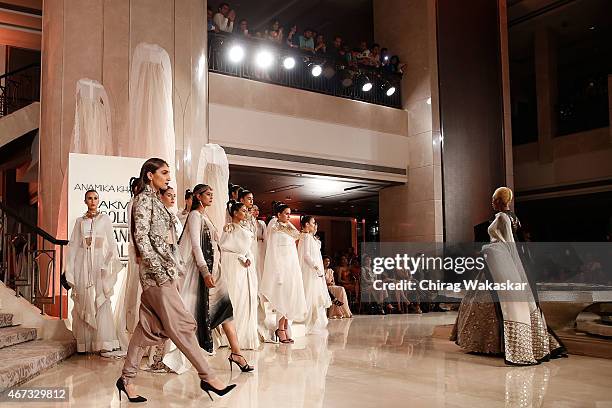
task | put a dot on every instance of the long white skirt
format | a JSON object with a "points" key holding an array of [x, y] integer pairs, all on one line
{"points": [[242, 288]]}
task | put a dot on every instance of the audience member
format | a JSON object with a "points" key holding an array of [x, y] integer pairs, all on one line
{"points": [[211, 24], [374, 58], [274, 32], [336, 51], [244, 28], [394, 66], [224, 19], [320, 47], [291, 40], [306, 41]]}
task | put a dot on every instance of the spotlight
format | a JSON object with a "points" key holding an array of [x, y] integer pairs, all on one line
{"points": [[236, 53], [264, 59], [315, 69], [388, 89], [289, 62], [346, 78], [364, 83]]}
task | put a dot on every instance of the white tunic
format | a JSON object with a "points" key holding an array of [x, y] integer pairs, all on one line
{"points": [[315, 287], [91, 270]]}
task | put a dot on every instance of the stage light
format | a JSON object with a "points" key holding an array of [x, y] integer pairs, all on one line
{"points": [[236, 53], [289, 62], [264, 59], [315, 69], [388, 89], [364, 83], [346, 78]]}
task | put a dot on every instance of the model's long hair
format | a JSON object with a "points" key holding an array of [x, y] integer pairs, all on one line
{"points": [[138, 186], [150, 166]]}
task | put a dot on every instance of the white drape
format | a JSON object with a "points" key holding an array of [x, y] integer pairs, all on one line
{"points": [[92, 132], [151, 113]]}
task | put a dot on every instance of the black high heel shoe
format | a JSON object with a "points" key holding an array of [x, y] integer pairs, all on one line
{"points": [[246, 368], [208, 388], [285, 341], [121, 387]]}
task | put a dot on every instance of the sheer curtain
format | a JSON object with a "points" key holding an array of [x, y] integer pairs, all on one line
{"points": [[92, 133], [151, 113]]}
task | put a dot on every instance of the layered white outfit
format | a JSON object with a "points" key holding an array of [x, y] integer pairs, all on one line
{"points": [[315, 288], [91, 270], [282, 282], [211, 307], [236, 243], [517, 329]]}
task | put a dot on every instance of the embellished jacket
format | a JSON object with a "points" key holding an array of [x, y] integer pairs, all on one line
{"points": [[155, 238]]}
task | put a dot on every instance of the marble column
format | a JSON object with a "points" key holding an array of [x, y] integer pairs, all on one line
{"points": [[413, 212], [96, 39]]}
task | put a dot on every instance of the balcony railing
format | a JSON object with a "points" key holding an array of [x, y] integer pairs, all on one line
{"points": [[29, 258], [337, 78], [19, 88]]}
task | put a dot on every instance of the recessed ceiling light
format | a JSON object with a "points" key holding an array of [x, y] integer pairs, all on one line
{"points": [[318, 205], [592, 27]]}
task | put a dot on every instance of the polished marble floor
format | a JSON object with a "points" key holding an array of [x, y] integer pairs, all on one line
{"points": [[367, 361]]}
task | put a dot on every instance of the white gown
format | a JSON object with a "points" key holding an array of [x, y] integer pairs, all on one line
{"points": [[282, 282], [236, 242], [91, 271], [315, 288]]}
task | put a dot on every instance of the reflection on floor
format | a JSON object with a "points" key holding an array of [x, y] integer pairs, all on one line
{"points": [[368, 361]]}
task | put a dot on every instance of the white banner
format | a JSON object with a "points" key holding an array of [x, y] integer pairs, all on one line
{"points": [[110, 177]]}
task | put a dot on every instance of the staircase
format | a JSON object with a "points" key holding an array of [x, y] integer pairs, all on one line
{"points": [[22, 356]]}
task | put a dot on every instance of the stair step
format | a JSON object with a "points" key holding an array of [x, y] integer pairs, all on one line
{"points": [[6, 319], [22, 362], [10, 336]]}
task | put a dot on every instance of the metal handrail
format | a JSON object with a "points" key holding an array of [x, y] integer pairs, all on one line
{"points": [[28, 265], [18, 70]]}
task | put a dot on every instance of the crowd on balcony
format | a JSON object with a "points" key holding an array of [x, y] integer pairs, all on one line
{"points": [[309, 41]]}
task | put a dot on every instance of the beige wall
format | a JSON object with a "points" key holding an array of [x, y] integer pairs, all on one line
{"points": [[290, 121], [413, 212], [578, 158], [95, 39]]}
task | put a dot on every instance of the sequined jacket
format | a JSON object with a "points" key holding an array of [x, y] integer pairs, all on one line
{"points": [[152, 225]]}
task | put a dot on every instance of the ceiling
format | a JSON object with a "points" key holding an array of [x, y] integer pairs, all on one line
{"points": [[579, 25], [308, 193]]}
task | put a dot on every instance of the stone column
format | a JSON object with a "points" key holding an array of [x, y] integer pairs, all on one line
{"points": [[546, 90], [413, 212], [95, 39]]}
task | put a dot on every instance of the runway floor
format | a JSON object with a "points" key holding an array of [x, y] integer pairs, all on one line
{"points": [[367, 361]]}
